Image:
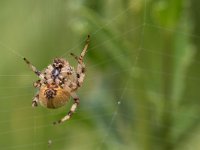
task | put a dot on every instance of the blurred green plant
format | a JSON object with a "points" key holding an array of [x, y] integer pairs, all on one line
{"points": [[141, 88]]}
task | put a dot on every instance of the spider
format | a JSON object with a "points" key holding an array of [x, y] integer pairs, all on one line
{"points": [[58, 82]]}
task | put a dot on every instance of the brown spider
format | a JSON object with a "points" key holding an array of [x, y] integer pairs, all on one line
{"points": [[58, 82]]}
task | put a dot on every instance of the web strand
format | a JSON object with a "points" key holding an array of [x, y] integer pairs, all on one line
{"points": [[126, 84], [98, 29], [119, 101]]}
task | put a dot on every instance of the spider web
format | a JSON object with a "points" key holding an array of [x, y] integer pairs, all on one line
{"points": [[37, 122]]}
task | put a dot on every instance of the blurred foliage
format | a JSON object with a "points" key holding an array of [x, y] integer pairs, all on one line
{"points": [[142, 84]]}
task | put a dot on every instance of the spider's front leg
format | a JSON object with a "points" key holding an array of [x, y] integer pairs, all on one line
{"points": [[72, 110], [81, 66], [34, 69]]}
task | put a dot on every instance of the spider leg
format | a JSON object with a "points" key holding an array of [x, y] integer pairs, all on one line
{"points": [[72, 110], [34, 69], [76, 57], [35, 100], [80, 59], [85, 48], [37, 84], [81, 66]]}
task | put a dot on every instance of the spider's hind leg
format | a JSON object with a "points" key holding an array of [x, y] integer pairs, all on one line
{"points": [[72, 110]]}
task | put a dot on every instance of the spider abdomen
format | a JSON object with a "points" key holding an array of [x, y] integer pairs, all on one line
{"points": [[53, 97]]}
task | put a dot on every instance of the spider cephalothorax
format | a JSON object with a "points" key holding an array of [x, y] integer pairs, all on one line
{"points": [[58, 82]]}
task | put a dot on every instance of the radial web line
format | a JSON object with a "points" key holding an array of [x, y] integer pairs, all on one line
{"points": [[97, 30], [128, 80]]}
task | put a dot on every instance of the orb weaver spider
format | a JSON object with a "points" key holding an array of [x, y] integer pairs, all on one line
{"points": [[58, 82]]}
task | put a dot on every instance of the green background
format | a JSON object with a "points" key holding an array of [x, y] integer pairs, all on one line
{"points": [[142, 82]]}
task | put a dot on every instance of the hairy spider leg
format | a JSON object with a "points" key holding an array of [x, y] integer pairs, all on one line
{"points": [[80, 59], [34, 69], [72, 109], [85, 48], [81, 66]]}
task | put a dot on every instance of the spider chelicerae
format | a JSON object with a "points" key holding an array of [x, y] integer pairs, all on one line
{"points": [[58, 82]]}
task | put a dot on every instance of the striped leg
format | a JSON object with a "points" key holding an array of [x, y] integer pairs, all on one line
{"points": [[34, 69], [72, 110], [35, 101], [80, 74], [81, 66]]}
